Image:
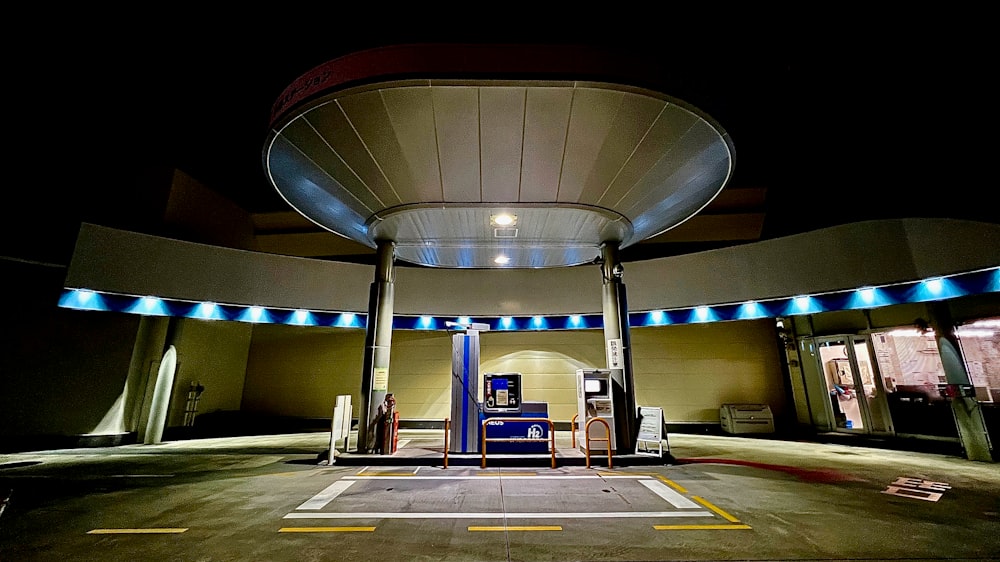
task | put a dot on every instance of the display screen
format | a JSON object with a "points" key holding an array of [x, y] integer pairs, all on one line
{"points": [[592, 385]]}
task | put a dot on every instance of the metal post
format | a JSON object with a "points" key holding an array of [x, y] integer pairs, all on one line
{"points": [[378, 339], [618, 346]]}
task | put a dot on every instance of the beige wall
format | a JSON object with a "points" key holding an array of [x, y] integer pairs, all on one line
{"points": [[213, 354], [687, 370]]}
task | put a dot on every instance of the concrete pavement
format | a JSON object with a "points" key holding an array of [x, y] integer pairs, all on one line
{"points": [[718, 498]]}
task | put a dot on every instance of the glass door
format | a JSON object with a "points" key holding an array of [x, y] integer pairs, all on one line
{"points": [[856, 398]]}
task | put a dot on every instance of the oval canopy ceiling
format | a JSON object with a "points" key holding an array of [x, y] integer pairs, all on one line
{"points": [[431, 147]]}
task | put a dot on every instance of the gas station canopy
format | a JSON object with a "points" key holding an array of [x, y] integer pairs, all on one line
{"points": [[492, 156]]}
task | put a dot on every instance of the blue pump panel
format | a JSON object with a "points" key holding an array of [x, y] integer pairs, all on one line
{"points": [[523, 428]]}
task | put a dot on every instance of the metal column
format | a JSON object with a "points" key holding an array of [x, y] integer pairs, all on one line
{"points": [[968, 412], [378, 339], [618, 347]]}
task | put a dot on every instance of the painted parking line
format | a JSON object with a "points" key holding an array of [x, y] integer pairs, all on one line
{"points": [[320, 500], [151, 531], [700, 527], [664, 488], [326, 530], [498, 515], [518, 528], [670, 496], [724, 515]]}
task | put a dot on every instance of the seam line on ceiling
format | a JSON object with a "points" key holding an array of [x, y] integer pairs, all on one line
{"points": [[381, 98], [437, 145], [562, 159], [479, 133], [680, 140], [631, 154], [520, 164], [314, 163], [346, 165]]}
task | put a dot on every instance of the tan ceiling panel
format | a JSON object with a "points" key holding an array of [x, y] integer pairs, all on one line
{"points": [[330, 123], [670, 127], [327, 170], [632, 120], [415, 172], [456, 119], [593, 114], [371, 123], [502, 127], [546, 118], [698, 150]]}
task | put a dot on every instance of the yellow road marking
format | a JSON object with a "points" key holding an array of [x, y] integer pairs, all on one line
{"points": [[725, 515], [516, 528], [326, 529], [698, 527], [136, 531], [672, 484]]}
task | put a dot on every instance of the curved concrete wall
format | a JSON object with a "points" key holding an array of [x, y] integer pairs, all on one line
{"points": [[843, 257]]}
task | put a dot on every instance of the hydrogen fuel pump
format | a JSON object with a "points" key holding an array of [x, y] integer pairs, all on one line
{"points": [[465, 407]]}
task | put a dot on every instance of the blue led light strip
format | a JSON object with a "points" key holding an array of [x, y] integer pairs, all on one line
{"points": [[941, 288]]}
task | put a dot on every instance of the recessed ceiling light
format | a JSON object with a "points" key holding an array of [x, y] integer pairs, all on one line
{"points": [[502, 260], [503, 219]]}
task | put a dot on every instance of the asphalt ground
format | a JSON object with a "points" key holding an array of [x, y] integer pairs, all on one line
{"points": [[709, 498]]}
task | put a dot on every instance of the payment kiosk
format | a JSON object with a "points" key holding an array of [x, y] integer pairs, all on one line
{"points": [[595, 399], [502, 393], [503, 399]]}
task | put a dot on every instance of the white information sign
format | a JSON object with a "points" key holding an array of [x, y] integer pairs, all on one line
{"points": [[615, 358], [650, 432]]}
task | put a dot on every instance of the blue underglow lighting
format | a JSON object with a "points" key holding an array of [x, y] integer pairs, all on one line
{"points": [[506, 322], [426, 322], [464, 320], [149, 306], [208, 311], [302, 318], [347, 320], [538, 323], [994, 284], [82, 299], [749, 310], [867, 295], [933, 286], [937, 289], [575, 321], [703, 314], [255, 314], [804, 305], [657, 317]]}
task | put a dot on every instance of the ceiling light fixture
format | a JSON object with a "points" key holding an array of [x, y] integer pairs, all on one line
{"points": [[502, 260], [503, 219]]}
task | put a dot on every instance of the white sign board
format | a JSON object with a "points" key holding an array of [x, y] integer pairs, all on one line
{"points": [[615, 358], [341, 426], [650, 431]]}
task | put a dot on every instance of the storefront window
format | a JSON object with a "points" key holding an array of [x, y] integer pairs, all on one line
{"points": [[980, 343], [911, 370]]}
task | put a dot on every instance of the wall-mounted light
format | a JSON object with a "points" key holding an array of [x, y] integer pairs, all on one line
{"points": [[501, 260]]}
